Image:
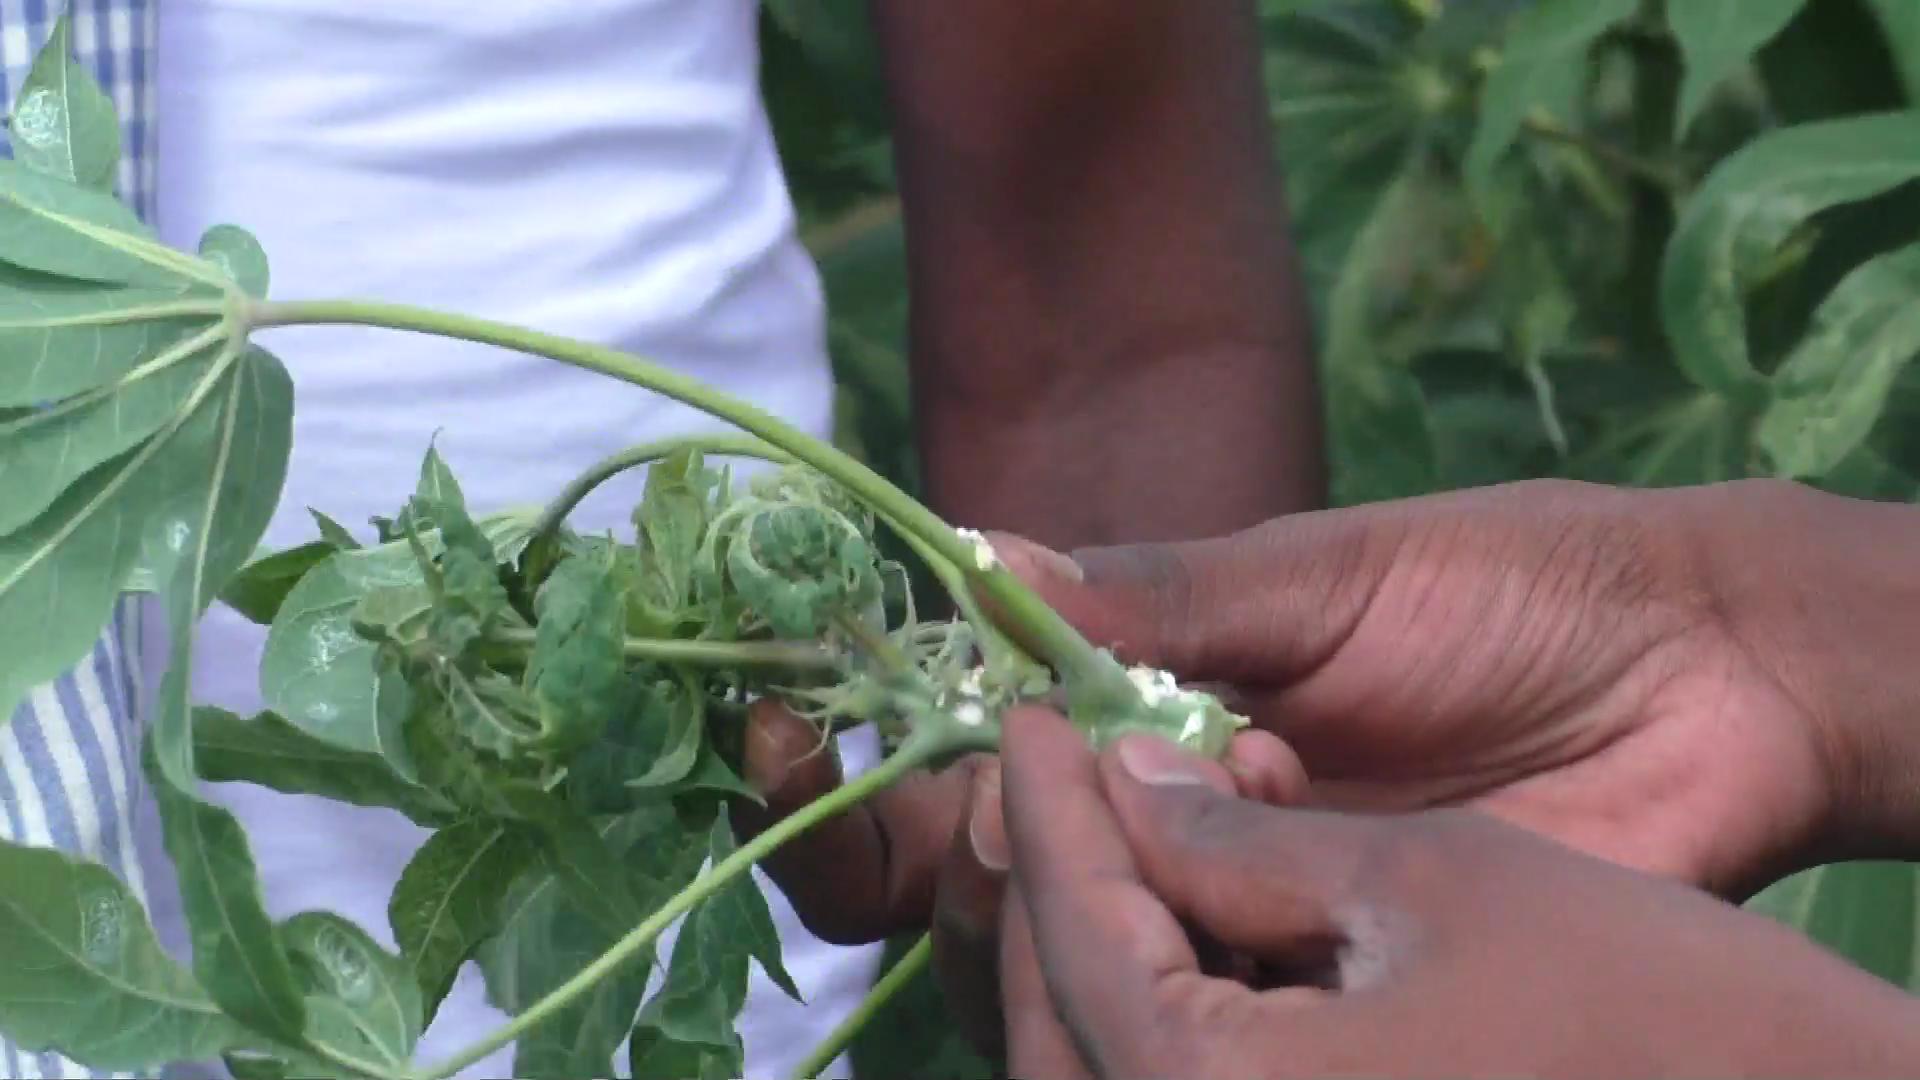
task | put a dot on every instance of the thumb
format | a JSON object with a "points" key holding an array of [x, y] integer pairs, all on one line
{"points": [[1254, 878], [1265, 606]]}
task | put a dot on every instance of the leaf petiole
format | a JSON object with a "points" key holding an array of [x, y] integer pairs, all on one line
{"points": [[784, 654], [908, 968]]}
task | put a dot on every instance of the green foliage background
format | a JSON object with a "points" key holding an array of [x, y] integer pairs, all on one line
{"points": [[1646, 242]]}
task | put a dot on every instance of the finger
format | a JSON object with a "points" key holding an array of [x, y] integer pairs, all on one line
{"points": [[1265, 769], [863, 874], [1252, 877], [1265, 607], [1038, 1045], [967, 912], [1112, 955]]}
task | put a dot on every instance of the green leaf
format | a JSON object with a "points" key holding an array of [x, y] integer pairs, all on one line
{"points": [[654, 1055], [1716, 38], [62, 123], [333, 532], [573, 849], [1901, 21], [360, 997], [1834, 387], [236, 254], [437, 482], [269, 752], [224, 505], [319, 674], [60, 337], [452, 897], [671, 523], [44, 453], [261, 586], [578, 664], [1752, 204], [1865, 911], [1382, 445], [684, 709], [546, 939], [706, 983], [55, 227], [85, 976], [1542, 69]]}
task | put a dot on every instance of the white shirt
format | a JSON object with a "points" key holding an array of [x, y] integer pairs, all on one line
{"points": [[596, 168]]}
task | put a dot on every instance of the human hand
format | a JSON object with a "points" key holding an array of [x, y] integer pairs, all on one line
{"points": [[929, 852], [1441, 943], [1697, 683]]}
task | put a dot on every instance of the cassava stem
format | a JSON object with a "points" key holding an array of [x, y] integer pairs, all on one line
{"points": [[903, 972], [1037, 624]]}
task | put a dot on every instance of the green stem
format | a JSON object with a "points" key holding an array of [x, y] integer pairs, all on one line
{"points": [[1632, 165], [635, 456], [786, 654], [918, 750], [1038, 625], [905, 971]]}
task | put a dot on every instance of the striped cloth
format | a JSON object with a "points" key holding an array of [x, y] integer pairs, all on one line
{"points": [[69, 758]]}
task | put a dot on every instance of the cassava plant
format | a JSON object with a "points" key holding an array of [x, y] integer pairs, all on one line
{"points": [[564, 711]]}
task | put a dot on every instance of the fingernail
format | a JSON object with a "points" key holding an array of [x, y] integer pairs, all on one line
{"points": [[1157, 762], [766, 770], [1015, 550], [986, 829]]}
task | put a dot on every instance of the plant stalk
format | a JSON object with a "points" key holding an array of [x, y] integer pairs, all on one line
{"points": [[1037, 625], [909, 967], [646, 453], [781, 654], [919, 749]]}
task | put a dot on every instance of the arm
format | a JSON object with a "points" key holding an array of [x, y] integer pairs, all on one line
{"points": [[1105, 302]]}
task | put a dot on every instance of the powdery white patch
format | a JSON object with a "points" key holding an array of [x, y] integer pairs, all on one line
{"points": [[970, 714], [984, 557]]}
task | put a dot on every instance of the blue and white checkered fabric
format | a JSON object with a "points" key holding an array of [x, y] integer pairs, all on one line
{"points": [[69, 758]]}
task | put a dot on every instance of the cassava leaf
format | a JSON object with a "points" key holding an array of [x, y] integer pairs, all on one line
{"points": [[452, 897], [1542, 67], [319, 674], [679, 710], [63, 123], [1716, 38], [578, 666], [1865, 911], [212, 525], [85, 975], [262, 585], [60, 337], [269, 752], [1900, 19], [366, 994], [574, 850], [706, 983], [652, 1055], [60, 575], [1747, 208], [545, 940], [236, 254], [57, 227], [44, 453], [1834, 387], [333, 532], [671, 522], [437, 482]]}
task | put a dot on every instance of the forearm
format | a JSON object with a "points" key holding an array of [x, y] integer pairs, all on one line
{"points": [[1109, 336], [1824, 591]]}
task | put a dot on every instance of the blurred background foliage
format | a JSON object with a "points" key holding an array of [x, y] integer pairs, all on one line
{"points": [[1647, 242]]}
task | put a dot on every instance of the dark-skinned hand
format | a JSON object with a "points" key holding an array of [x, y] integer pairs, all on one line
{"points": [[1439, 943], [1707, 684]]}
